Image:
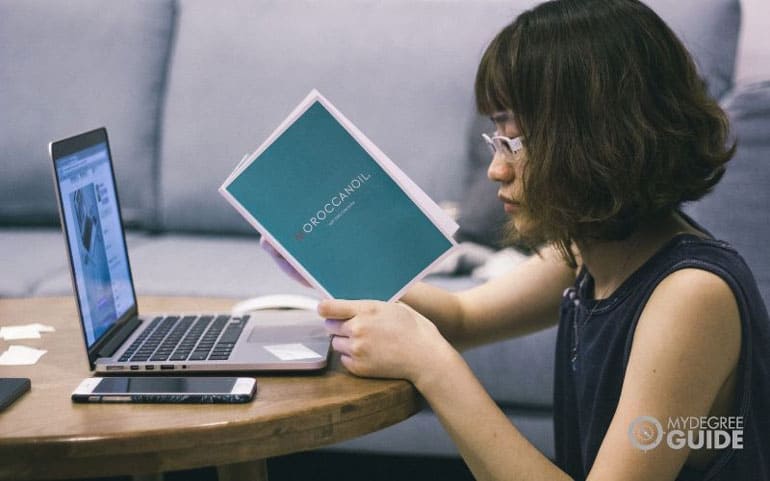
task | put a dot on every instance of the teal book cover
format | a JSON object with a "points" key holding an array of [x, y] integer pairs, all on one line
{"points": [[340, 212]]}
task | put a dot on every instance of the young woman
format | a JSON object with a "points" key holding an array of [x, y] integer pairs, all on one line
{"points": [[603, 130]]}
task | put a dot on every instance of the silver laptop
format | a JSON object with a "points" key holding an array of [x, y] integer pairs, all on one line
{"points": [[120, 339]]}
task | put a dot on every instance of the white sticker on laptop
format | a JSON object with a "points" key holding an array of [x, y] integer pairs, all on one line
{"points": [[292, 352]]}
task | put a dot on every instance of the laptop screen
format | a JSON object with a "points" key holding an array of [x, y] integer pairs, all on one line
{"points": [[95, 238]]}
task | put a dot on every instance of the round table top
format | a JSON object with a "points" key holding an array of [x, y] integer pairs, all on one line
{"points": [[45, 435]]}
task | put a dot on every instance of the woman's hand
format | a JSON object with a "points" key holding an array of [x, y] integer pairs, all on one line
{"points": [[379, 339], [282, 262]]}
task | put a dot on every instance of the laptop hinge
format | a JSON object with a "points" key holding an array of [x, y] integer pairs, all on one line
{"points": [[120, 337]]}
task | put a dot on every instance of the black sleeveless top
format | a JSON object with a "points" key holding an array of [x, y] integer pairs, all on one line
{"points": [[591, 359]]}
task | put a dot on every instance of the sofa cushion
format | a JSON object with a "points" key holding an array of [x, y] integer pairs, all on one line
{"points": [[712, 41], [34, 258], [182, 265], [401, 70], [423, 435], [74, 66], [29, 256], [517, 373], [738, 210], [752, 63]]}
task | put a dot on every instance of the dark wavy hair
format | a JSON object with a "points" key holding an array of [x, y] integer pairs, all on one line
{"points": [[618, 126]]}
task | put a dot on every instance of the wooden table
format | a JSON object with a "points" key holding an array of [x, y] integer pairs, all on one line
{"points": [[46, 436]]}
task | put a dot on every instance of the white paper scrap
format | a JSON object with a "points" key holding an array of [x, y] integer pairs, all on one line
{"points": [[292, 352], [43, 327], [26, 331], [21, 356], [12, 333]]}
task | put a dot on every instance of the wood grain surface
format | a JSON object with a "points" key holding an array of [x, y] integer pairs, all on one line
{"points": [[46, 436]]}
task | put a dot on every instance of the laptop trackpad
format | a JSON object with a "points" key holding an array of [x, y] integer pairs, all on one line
{"points": [[286, 334]]}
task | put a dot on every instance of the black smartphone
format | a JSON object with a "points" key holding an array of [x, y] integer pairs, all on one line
{"points": [[11, 388], [133, 389]]}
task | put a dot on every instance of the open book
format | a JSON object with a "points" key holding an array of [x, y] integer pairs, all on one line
{"points": [[342, 213]]}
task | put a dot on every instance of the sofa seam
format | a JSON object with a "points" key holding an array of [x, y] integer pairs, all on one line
{"points": [[155, 219]]}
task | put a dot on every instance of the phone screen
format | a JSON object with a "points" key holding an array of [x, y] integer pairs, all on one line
{"points": [[174, 385]]}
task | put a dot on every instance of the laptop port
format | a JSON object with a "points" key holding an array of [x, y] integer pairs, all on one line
{"points": [[115, 368], [134, 368], [166, 367], [149, 368]]}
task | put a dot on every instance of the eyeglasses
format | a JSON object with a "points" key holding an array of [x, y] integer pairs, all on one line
{"points": [[500, 143]]}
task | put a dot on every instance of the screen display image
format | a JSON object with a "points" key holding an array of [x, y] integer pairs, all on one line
{"points": [[95, 239], [93, 259]]}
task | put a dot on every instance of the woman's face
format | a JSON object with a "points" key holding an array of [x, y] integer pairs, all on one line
{"points": [[507, 169]]}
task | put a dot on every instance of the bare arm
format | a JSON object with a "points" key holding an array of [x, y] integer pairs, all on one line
{"points": [[682, 354], [523, 301]]}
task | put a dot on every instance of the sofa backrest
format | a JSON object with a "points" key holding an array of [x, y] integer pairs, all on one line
{"points": [[401, 70], [67, 67], [738, 210]]}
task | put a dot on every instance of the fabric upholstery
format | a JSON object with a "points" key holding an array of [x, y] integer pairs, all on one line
{"points": [[197, 266], [28, 256], [423, 435], [74, 67], [738, 210], [752, 61], [34, 259], [401, 70]]}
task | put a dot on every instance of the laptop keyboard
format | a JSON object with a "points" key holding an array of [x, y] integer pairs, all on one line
{"points": [[188, 338]]}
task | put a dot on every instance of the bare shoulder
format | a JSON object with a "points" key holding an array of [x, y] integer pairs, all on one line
{"points": [[693, 312], [695, 294]]}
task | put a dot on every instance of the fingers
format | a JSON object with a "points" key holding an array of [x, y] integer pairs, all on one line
{"points": [[342, 345], [350, 365], [283, 264], [291, 271], [343, 309], [268, 247], [336, 327], [339, 316]]}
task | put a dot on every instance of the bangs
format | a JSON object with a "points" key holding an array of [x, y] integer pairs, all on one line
{"points": [[494, 77]]}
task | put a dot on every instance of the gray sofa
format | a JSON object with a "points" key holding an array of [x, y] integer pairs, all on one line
{"points": [[187, 87]]}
